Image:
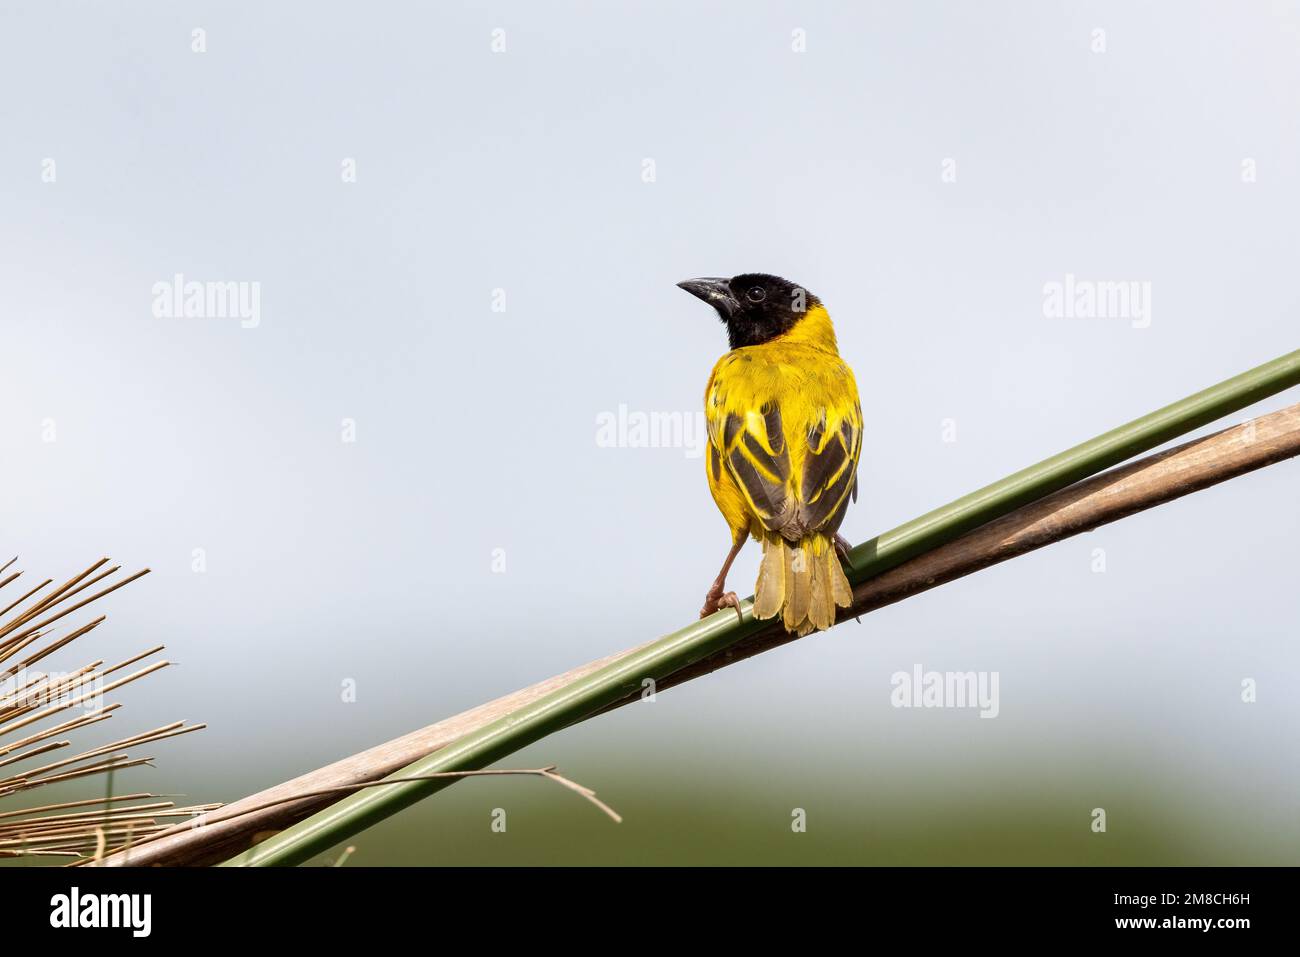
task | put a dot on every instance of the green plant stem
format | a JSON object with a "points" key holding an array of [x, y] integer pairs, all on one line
{"points": [[936, 528], [682, 648]]}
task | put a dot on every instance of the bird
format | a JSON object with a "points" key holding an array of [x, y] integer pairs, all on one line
{"points": [[784, 437]]}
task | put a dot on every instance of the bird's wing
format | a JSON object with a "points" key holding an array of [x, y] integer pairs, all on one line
{"points": [[790, 439]]}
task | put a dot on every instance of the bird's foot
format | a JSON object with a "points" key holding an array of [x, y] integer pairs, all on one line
{"points": [[717, 599]]}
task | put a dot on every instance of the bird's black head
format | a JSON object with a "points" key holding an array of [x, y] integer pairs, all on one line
{"points": [[755, 307]]}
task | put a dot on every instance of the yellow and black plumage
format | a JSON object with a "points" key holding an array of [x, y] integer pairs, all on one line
{"points": [[785, 433]]}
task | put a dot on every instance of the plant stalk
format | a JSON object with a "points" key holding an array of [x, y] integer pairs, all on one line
{"points": [[681, 649]]}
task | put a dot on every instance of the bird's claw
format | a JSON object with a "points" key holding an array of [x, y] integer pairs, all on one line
{"points": [[715, 601]]}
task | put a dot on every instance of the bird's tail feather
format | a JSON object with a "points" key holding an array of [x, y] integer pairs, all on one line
{"points": [[802, 582]]}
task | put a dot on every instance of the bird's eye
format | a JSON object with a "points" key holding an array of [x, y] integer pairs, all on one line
{"points": [[756, 294]]}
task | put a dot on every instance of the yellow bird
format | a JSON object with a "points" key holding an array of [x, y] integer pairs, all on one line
{"points": [[785, 432]]}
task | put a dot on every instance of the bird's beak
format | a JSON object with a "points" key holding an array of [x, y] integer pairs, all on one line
{"points": [[716, 292]]}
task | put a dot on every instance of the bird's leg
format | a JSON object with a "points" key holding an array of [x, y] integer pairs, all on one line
{"points": [[718, 597]]}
